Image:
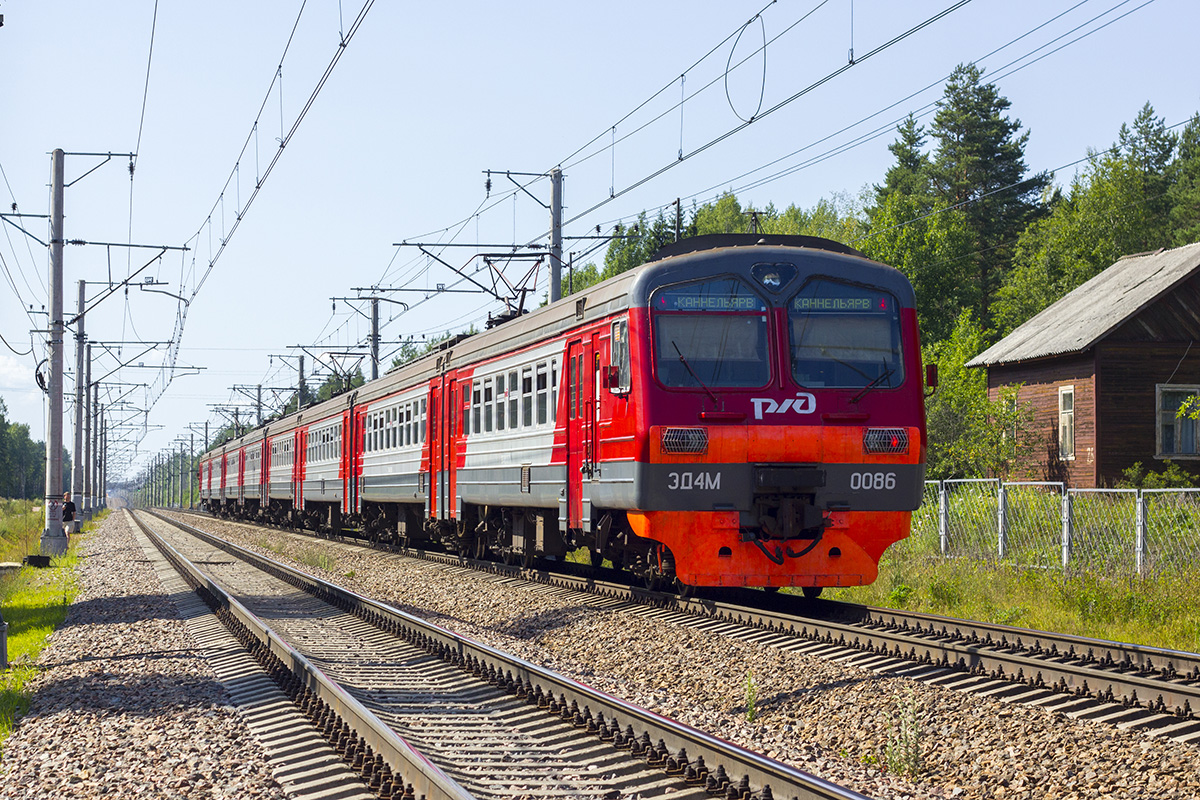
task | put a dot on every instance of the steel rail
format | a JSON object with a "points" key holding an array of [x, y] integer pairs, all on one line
{"points": [[405, 761], [695, 756], [1157, 679]]}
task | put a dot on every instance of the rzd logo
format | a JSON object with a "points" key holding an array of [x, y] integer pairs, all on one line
{"points": [[802, 403]]}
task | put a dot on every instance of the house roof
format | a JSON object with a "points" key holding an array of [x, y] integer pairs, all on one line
{"points": [[1087, 314]]}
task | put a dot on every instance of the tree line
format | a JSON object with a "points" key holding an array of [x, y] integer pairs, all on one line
{"points": [[23, 461]]}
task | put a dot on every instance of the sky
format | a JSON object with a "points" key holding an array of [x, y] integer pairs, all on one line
{"points": [[638, 103]]}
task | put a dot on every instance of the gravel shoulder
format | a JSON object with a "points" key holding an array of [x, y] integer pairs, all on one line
{"points": [[125, 704], [832, 720]]}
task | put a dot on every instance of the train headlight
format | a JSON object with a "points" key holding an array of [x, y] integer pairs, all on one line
{"points": [[685, 440], [885, 440]]}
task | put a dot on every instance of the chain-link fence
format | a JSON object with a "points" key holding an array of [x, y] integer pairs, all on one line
{"points": [[1046, 525]]}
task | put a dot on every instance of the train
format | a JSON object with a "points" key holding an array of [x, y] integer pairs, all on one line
{"points": [[741, 410]]}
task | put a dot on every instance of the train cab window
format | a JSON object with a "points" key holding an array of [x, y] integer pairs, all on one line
{"points": [[710, 333], [844, 336]]}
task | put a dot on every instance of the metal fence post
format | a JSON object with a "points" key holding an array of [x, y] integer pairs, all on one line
{"points": [[1066, 530], [943, 519], [1140, 544], [1001, 521]]}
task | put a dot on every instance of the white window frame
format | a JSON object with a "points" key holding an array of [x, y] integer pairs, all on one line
{"points": [[1161, 417], [1066, 422]]}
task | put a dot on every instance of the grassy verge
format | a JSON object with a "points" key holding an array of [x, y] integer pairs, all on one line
{"points": [[34, 603], [1160, 611]]}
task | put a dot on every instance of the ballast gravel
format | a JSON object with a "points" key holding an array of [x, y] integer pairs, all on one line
{"points": [[124, 704], [839, 722]]}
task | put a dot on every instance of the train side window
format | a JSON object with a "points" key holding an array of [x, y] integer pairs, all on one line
{"points": [[619, 357], [571, 396], [541, 393], [513, 399], [501, 394], [527, 397], [487, 405], [554, 390], [424, 420], [466, 408]]}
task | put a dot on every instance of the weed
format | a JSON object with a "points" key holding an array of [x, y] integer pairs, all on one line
{"points": [[317, 558], [350, 574], [898, 598], [903, 751], [944, 593], [751, 697]]}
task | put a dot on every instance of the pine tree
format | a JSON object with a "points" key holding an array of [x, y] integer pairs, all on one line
{"points": [[910, 174], [1184, 194], [979, 165]]}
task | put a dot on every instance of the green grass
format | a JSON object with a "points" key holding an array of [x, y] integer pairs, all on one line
{"points": [[1161, 611], [20, 529], [34, 603]]}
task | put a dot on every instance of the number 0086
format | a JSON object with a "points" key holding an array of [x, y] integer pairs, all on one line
{"points": [[872, 481]]}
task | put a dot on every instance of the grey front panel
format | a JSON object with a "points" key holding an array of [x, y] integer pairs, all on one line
{"points": [[708, 487]]}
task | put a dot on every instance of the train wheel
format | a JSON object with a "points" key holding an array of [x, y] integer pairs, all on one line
{"points": [[812, 592], [597, 558], [684, 590]]}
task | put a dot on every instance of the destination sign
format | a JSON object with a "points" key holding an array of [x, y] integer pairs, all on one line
{"points": [[719, 295], [844, 299]]}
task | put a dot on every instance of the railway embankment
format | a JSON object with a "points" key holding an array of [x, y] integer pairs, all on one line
{"points": [[123, 702]]}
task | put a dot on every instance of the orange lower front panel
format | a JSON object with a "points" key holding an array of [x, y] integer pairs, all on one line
{"points": [[709, 550]]}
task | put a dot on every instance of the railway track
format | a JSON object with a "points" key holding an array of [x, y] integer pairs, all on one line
{"points": [[1132, 686], [418, 710]]}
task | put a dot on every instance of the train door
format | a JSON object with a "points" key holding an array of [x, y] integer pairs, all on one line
{"points": [[581, 431], [438, 434], [264, 472], [299, 455], [460, 402], [241, 475], [353, 425]]}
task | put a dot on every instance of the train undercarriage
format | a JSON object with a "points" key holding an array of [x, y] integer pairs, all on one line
{"points": [[514, 536]]}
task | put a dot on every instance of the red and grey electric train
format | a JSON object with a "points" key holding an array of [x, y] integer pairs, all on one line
{"points": [[740, 411]]}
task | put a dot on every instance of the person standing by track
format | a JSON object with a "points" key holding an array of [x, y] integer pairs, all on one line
{"points": [[68, 519]]}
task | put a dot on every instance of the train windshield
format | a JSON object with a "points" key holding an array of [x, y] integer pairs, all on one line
{"points": [[844, 336], [710, 333]]}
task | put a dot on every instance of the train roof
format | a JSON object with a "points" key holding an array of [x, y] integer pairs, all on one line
{"points": [[674, 262]]}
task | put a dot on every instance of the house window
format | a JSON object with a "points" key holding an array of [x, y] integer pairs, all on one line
{"points": [[1066, 422], [1176, 436]]}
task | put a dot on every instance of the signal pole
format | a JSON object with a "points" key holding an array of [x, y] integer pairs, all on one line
{"points": [[54, 541], [77, 488], [89, 484], [374, 338], [555, 234]]}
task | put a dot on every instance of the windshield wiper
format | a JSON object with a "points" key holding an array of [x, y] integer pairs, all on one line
{"points": [[867, 389], [692, 372]]}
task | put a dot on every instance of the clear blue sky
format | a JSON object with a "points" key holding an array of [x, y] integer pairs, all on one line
{"points": [[428, 96]]}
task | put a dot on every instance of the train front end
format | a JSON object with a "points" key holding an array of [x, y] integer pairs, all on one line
{"points": [[782, 422]]}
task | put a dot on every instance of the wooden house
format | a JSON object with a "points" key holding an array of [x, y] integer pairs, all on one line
{"points": [[1106, 368]]}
